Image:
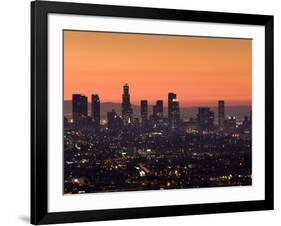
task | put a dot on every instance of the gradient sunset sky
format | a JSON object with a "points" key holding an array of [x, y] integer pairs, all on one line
{"points": [[199, 70]]}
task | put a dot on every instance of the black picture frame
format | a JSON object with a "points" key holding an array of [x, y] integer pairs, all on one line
{"points": [[39, 112]]}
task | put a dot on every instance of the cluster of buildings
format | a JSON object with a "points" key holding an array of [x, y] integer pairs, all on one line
{"points": [[154, 150], [80, 110], [205, 120]]}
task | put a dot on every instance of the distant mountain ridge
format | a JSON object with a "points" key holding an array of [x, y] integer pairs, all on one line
{"points": [[238, 111]]}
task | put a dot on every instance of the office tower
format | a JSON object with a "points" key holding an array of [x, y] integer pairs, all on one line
{"points": [[127, 111], [113, 120], [79, 107], [95, 111], [154, 112], [111, 116], [175, 114], [205, 118], [221, 113], [159, 109], [144, 112], [171, 97]]}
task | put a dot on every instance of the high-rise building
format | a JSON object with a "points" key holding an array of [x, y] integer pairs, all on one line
{"points": [[159, 109], [171, 97], [127, 111], [113, 120], [221, 112], [175, 114], [144, 112], [79, 107], [154, 112], [205, 118], [95, 105]]}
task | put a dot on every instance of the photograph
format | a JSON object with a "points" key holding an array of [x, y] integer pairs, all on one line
{"points": [[146, 111], [142, 112]]}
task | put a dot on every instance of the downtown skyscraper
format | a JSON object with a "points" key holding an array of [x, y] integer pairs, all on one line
{"points": [[144, 112], [221, 113], [173, 111], [205, 118], [79, 107], [175, 114], [127, 111], [95, 109], [171, 97], [158, 109]]}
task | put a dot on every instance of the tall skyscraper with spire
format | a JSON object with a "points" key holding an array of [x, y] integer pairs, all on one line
{"points": [[127, 111]]}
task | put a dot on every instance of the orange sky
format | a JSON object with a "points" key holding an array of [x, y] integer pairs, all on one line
{"points": [[199, 70]]}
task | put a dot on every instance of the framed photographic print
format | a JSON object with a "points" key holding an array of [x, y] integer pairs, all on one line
{"points": [[144, 112]]}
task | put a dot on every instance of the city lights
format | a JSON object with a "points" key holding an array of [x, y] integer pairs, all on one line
{"points": [[155, 149]]}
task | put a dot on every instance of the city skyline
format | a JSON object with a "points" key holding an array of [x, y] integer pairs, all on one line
{"points": [[151, 103], [153, 151], [81, 106], [165, 103], [148, 138], [200, 70]]}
